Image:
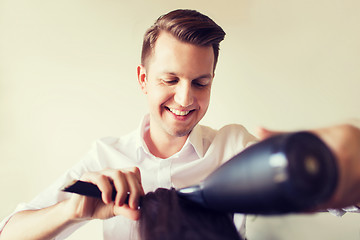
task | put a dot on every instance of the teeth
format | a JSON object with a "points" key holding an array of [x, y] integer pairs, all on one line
{"points": [[178, 112]]}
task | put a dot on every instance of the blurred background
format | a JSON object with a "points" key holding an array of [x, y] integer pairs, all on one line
{"points": [[68, 77]]}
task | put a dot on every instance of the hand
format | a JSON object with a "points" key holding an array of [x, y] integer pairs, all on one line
{"points": [[344, 141], [124, 181]]}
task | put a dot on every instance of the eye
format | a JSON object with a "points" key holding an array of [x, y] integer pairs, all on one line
{"points": [[170, 81], [200, 83]]}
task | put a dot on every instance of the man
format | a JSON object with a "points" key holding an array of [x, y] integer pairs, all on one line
{"points": [[179, 57], [169, 149]]}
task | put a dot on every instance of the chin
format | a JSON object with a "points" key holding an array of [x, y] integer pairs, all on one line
{"points": [[181, 132]]}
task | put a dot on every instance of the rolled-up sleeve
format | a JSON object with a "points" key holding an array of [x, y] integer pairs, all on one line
{"points": [[53, 194]]}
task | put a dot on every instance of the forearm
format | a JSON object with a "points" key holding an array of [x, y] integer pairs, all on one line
{"points": [[45, 223]]}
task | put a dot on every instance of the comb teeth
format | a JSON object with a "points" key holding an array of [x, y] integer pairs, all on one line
{"points": [[88, 189]]}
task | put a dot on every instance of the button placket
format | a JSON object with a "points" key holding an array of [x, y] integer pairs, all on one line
{"points": [[164, 174]]}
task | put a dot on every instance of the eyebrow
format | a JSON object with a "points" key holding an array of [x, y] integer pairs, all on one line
{"points": [[208, 75], [205, 76]]}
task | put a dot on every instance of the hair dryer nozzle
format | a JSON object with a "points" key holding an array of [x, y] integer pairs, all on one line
{"points": [[193, 193]]}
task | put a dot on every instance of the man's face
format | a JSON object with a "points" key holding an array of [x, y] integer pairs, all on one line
{"points": [[177, 81]]}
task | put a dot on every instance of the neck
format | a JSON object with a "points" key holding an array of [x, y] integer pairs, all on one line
{"points": [[164, 146]]}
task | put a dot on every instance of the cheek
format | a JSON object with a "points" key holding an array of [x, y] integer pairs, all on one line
{"points": [[203, 98], [158, 96]]}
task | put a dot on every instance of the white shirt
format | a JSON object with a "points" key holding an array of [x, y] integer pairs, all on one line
{"points": [[204, 151]]}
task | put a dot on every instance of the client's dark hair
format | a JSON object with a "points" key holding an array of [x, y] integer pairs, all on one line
{"points": [[165, 216]]}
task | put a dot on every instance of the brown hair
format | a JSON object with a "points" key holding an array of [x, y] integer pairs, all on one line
{"points": [[186, 25], [165, 216]]}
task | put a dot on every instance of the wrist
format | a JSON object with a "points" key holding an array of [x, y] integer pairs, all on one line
{"points": [[69, 212]]}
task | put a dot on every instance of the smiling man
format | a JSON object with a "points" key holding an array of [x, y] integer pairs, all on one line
{"points": [[177, 80], [168, 150]]}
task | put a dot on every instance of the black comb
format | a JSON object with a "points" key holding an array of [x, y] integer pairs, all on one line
{"points": [[89, 189]]}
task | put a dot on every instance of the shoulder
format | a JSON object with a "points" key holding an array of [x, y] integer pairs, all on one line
{"points": [[229, 132], [115, 152], [230, 138], [109, 141], [236, 137], [125, 141], [233, 129], [236, 132]]}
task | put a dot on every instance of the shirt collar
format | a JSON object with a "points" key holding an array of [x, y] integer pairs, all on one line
{"points": [[144, 126], [194, 139]]}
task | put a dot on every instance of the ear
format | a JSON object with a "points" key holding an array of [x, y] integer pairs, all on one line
{"points": [[141, 75]]}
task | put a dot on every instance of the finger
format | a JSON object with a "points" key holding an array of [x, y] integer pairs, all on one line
{"points": [[137, 173], [135, 188], [126, 211], [103, 182], [119, 182], [121, 186], [265, 133]]}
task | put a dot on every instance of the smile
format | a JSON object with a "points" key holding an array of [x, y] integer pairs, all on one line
{"points": [[179, 112]]}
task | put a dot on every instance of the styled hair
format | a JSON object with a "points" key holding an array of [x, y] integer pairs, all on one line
{"points": [[165, 216], [187, 26]]}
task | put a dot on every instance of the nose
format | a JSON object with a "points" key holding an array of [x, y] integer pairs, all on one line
{"points": [[184, 95]]}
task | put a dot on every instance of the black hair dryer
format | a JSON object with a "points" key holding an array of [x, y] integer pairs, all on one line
{"points": [[287, 173]]}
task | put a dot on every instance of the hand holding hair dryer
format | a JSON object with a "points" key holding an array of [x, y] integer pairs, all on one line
{"points": [[287, 173]]}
